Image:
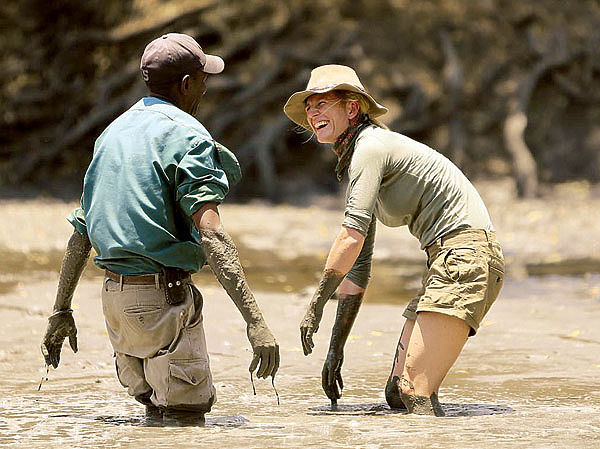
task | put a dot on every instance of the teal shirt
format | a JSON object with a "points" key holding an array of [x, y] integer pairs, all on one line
{"points": [[152, 168]]}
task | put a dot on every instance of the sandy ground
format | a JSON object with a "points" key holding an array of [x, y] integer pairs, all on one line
{"points": [[529, 378]]}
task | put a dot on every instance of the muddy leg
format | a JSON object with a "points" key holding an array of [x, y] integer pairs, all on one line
{"points": [[423, 405], [392, 387], [435, 343], [130, 372]]}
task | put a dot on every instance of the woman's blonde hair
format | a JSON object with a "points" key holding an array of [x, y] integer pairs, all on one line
{"points": [[363, 104]]}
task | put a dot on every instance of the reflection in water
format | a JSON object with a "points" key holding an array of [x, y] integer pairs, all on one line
{"points": [[155, 420], [475, 409], [384, 409], [354, 409]]}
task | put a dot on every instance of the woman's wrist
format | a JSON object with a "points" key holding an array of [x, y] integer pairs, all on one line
{"points": [[330, 281]]}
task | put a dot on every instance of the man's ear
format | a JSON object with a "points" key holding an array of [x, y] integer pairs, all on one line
{"points": [[184, 85]]}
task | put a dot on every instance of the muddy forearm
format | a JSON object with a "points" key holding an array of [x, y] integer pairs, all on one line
{"points": [[73, 264], [347, 310], [222, 257], [330, 281]]}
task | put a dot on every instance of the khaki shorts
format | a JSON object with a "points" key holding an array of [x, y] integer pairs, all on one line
{"points": [[464, 277], [160, 349]]}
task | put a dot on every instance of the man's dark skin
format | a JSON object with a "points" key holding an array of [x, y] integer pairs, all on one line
{"points": [[219, 249]]}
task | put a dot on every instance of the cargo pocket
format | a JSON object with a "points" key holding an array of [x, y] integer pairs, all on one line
{"points": [[463, 265], [190, 385]]}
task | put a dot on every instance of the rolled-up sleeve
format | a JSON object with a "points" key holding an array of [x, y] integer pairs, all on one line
{"points": [[365, 173], [77, 219], [361, 270], [200, 179]]}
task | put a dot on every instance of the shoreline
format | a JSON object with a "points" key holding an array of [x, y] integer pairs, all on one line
{"points": [[544, 235]]}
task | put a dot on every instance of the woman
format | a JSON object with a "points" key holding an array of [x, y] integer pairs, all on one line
{"points": [[398, 181]]}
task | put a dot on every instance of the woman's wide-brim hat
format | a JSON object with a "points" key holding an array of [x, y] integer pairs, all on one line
{"points": [[325, 79]]}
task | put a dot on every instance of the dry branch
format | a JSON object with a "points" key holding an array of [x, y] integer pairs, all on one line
{"points": [[524, 165], [454, 80], [141, 34]]}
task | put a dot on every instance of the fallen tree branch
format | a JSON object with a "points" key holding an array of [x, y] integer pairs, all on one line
{"points": [[263, 144]]}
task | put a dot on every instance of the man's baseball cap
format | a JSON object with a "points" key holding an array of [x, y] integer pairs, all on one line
{"points": [[167, 58]]}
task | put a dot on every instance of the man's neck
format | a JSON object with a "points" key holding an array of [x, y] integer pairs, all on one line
{"points": [[163, 97]]}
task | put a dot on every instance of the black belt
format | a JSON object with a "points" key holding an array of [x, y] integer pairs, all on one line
{"points": [[174, 275]]}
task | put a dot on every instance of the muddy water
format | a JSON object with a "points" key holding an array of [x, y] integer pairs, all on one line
{"points": [[528, 379]]}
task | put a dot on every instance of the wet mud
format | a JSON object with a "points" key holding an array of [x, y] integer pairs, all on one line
{"points": [[377, 409], [528, 379]]}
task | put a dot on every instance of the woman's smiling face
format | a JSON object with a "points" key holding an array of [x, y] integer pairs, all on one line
{"points": [[327, 116]]}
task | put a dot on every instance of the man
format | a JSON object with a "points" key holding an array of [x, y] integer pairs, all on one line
{"points": [[150, 210]]}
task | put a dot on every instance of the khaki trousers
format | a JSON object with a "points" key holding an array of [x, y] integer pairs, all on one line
{"points": [[160, 349]]}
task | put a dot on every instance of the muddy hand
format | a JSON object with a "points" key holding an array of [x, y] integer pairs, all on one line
{"points": [[266, 350], [309, 326], [60, 326], [331, 376]]}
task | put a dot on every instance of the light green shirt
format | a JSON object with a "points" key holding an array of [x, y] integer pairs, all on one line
{"points": [[403, 182], [152, 168], [361, 270]]}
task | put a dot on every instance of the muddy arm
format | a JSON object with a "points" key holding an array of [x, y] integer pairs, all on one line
{"points": [[351, 292], [342, 256], [330, 280], [223, 259], [350, 295], [347, 310], [73, 264], [61, 323]]}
